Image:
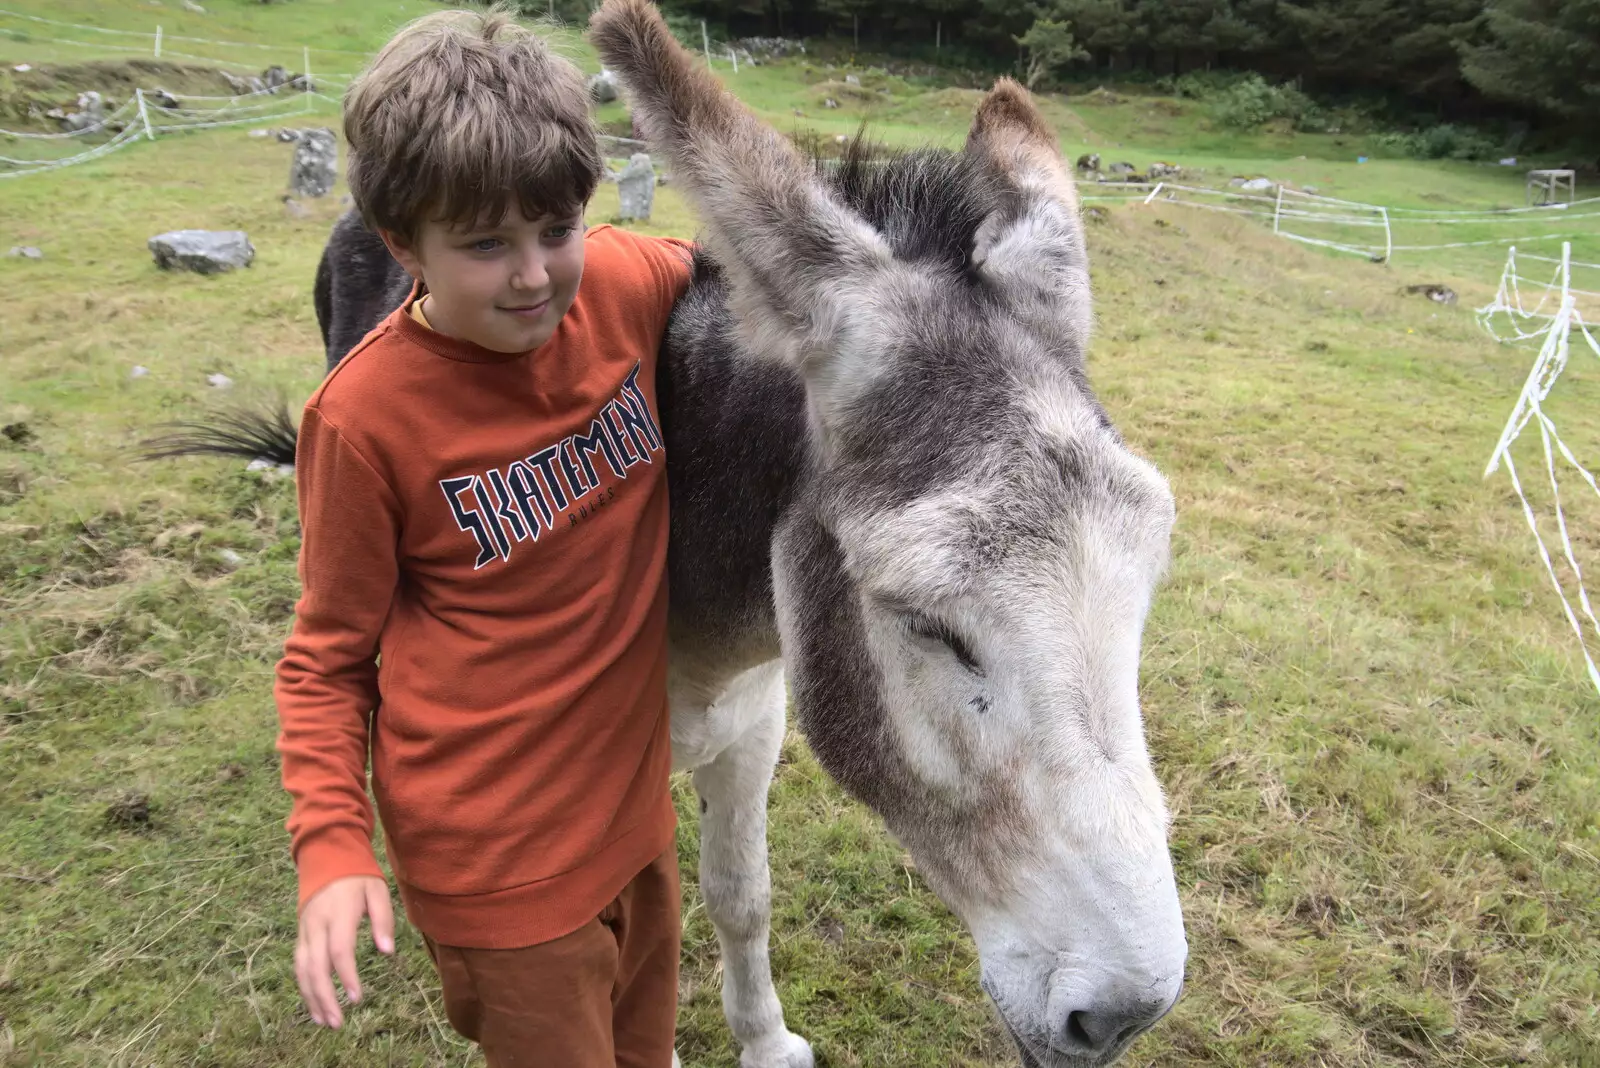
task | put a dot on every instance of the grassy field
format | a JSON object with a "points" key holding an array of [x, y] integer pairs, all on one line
{"points": [[1366, 707]]}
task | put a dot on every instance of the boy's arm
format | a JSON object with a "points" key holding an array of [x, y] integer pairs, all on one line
{"points": [[327, 681]]}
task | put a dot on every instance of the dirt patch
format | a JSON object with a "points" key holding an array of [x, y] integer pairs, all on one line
{"points": [[130, 812], [26, 95]]}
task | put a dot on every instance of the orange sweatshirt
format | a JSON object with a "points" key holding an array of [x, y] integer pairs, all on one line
{"points": [[496, 527]]}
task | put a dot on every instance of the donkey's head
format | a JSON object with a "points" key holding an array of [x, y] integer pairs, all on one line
{"points": [[963, 582]]}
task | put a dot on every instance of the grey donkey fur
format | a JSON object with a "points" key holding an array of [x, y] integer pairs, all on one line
{"points": [[891, 482]]}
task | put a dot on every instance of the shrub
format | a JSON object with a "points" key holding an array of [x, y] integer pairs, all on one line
{"points": [[1444, 141], [1249, 102]]}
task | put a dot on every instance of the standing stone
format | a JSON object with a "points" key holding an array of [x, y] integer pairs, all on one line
{"points": [[316, 163], [636, 187], [602, 87], [202, 251], [275, 76]]}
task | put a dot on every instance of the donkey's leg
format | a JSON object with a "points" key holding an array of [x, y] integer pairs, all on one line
{"points": [[734, 879]]}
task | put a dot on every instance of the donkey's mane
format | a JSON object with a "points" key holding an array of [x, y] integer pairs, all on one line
{"points": [[928, 203]]}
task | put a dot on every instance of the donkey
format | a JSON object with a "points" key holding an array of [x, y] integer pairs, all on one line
{"points": [[891, 483]]}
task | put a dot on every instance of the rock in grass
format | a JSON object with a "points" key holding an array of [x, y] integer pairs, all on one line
{"points": [[139, 371], [26, 252], [1434, 291], [220, 381], [202, 251], [602, 87], [316, 163], [636, 187]]}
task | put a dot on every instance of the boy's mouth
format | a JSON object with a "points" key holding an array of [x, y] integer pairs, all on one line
{"points": [[527, 311]]}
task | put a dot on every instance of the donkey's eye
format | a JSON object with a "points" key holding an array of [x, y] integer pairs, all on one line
{"points": [[935, 631]]}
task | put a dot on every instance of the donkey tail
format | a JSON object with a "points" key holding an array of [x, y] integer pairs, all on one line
{"points": [[259, 433]]}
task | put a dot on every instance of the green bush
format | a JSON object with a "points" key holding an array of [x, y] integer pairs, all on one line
{"points": [[1445, 141], [1202, 84], [1250, 102]]}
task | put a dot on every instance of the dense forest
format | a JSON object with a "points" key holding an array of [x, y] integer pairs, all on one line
{"points": [[1535, 61]]}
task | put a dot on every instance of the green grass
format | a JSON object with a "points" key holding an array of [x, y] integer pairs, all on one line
{"points": [[1368, 712]]}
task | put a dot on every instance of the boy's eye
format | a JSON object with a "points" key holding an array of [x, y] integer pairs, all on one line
{"points": [[559, 233], [488, 244]]}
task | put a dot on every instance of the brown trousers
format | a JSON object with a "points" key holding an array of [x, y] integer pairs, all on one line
{"points": [[604, 996]]}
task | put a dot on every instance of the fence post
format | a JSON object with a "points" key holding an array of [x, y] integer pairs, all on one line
{"points": [[158, 41], [1277, 211], [1154, 191], [305, 55], [1388, 236], [1566, 272], [705, 41], [734, 58], [144, 116]]}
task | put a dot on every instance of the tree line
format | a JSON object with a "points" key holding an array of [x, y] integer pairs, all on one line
{"points": [[1462, 59]]}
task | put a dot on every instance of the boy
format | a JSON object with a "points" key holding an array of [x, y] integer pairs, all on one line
{"points": [[483, 500]]}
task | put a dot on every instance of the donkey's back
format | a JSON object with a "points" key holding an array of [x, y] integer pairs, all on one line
{"points": [[358, 283]]}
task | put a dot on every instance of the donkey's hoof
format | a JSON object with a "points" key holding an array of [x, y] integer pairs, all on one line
{"points": [[784, 1050]]}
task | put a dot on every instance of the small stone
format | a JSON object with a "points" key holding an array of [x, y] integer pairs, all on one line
{"points": [[23, 68], [260, 133], [602, 87], [1434, 291], [230, 557], [139, 371], [1161, 170], [831, 104], [1121, 168], [840, 139], [162, 99], [851, 79], [274, 77], [190, 5], [202, 251], [636, 188], [270, 470], [1259, 185], [26, 252], [220, 381], [315, 165]]}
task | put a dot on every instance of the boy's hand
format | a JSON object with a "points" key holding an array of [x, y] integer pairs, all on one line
{"points": [[328, 926]]}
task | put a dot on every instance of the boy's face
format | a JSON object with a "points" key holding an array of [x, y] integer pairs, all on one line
{"points": [[503, 287]]}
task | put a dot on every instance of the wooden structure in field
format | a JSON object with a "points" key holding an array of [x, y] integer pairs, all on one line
{"points": [[1545, 187]]}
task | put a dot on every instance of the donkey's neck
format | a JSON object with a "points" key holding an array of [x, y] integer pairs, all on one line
{"points": [[735, 428]]}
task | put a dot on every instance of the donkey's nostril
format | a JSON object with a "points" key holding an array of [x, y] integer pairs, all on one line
{"points": [[1104, 1030], [1078, 1030]]}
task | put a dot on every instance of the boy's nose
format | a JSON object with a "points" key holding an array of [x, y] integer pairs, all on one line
{"points": [[530, 273]]}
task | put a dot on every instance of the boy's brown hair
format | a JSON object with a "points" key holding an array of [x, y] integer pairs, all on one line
{"points": [[461, 112]]}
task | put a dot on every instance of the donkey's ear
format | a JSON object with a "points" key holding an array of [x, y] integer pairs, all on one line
{"points": [[1034, 248], [1009, 129], [794, 255]]}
